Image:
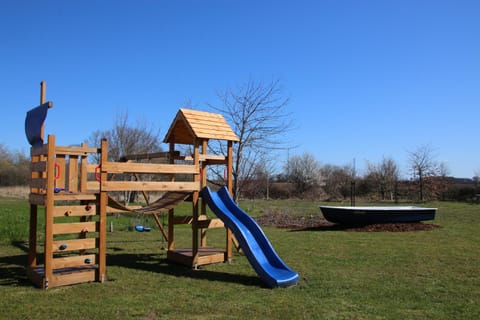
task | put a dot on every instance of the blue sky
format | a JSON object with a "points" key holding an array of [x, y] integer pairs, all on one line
{"points": [[365, 79]]}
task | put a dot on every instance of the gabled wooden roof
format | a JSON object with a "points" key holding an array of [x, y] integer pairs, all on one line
{"points": [[191, 124]]}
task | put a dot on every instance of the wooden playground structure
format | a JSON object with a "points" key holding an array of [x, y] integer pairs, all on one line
{"points": [[74, 195]]}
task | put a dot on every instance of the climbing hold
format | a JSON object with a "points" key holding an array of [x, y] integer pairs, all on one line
{"points": [[63, 246], [88, 207], [88, 261], [84, 230]]}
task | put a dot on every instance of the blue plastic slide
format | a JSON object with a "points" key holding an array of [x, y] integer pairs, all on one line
{"points": [[258, 250]]}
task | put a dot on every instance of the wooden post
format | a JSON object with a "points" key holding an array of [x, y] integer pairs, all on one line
{"points": [[32, 239], [103, 202], [49, 207], [230, 167], [229, 236], [83, 170], [43, 99], [203, 183], [195, 196], [171, 212]]}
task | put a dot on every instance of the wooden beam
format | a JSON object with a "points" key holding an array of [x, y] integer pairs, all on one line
{"points": [[149, 186], [130, 167], [212, 223], [102, 202], [75, 151]]}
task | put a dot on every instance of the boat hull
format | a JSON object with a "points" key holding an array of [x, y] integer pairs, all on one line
{"points": [[374, 215]]}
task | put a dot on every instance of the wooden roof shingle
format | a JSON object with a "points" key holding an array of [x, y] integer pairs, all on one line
{"points": [[189, 125]]}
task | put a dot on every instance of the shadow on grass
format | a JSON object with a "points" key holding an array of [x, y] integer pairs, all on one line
{"points": [[333, 227], [152, 263], [12, 271], [380, 227]]}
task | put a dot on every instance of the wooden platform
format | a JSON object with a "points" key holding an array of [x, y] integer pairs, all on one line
{"points": [[63, 276], [205, 256]]}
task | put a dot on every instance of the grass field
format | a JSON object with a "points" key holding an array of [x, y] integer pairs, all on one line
{"points": [[344, 275]]}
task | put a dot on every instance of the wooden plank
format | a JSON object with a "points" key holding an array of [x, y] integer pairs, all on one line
{"points": [[121, 167], [60, 171], [75, 211], [75, 227], [38, 183], [147, 156], [39, 166], [49, 205], [91, 167], [39, 151], [75, 151], [83, 172], [212, 223], [35, 277], [103, 202], [73, 174], [206, 157], [216, 257], [37, 199], [66, 196], [83, 276], [74, 261], [216, 162], [149, 186], [204, 256], [93, 186], [183, 257], [75, 244], [181, 220], [32, 238]]}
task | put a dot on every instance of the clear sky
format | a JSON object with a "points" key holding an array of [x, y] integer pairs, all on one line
{"points": [[366, 79]]}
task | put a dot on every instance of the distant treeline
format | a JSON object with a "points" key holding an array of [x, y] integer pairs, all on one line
{"points": [[14, 168], [331, 183], [436, 189]]}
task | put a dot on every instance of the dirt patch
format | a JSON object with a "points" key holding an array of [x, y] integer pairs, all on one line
{"points": [[20, 192], [280, 220]]}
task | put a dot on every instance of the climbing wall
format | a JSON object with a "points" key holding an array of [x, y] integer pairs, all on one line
{"points": [[65, 190]]}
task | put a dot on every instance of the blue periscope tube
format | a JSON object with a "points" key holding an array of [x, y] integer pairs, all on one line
{"points": [[258, 250]]}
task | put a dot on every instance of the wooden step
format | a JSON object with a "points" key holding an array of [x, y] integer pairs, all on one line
{"points": [[74, 261], [75, 210], [74, 244], [76, 227]]}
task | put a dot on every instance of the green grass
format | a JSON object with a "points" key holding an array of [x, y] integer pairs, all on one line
{"points": [[344, 275]]}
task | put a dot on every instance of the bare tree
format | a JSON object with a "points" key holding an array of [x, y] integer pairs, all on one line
{"points": [[423, 166], [383, 177], [259, 185], [258, 116], [305, 173], [337, 180], [125, 139]]}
